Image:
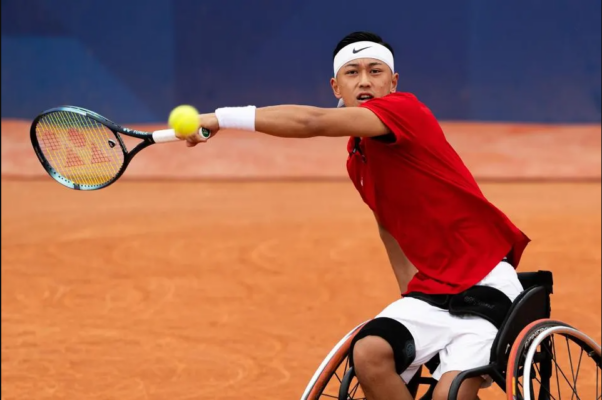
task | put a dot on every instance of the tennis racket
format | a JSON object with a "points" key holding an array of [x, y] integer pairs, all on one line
{"points": [[83, 150]]}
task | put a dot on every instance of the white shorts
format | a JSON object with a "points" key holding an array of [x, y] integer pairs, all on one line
{"points": [[461, 342]]}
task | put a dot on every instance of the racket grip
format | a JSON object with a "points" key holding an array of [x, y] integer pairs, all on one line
{"points": [[169, 135]]}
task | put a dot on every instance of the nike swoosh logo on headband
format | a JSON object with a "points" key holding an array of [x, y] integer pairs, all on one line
{"points": [[357, 51]]}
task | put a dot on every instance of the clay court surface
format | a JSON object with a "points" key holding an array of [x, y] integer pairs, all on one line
{"points": [[227, 290], [204, 288]]}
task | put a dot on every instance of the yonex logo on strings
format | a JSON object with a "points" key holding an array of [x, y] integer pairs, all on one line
{"points": [[72, 159]]}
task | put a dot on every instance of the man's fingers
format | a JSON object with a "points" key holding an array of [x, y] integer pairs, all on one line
{"points": [[193, 140]]}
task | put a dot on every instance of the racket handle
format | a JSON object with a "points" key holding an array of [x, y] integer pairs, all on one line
{"points": [[169, 135]]}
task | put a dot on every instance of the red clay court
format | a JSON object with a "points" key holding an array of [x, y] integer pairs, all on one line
{"points": [[229, 271]]}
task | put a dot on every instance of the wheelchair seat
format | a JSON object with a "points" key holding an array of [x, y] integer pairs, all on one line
{"points": [[531, 304]]}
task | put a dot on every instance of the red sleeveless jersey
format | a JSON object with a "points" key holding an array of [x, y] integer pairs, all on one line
{"points": [[425, 197]]}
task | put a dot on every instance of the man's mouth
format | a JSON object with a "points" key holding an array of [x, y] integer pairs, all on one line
{"points": [[364, 97]]}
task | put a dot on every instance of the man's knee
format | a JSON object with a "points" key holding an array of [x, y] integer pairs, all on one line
{"points": [[372, 356], [382, 343]]}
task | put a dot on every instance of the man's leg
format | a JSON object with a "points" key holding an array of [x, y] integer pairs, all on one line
{"points": [[375, 369], [469, 348], [468, 391], [388, 351]]}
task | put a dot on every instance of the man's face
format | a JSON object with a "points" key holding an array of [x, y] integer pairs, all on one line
{"points": [[363, 79]]}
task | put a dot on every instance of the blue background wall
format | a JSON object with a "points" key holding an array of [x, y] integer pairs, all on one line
{"points": [[133, 60]]}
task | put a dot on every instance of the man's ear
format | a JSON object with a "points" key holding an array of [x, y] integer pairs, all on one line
{"points": [[394, 82], [335, 88]]}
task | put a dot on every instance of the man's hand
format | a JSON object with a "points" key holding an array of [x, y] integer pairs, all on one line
{"points": [[209, 122]]}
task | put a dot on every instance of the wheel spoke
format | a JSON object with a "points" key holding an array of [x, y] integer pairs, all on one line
{"points": [[353, 390], [557, 377], [578, 368], [575, 375], [560, 369], [338, 377], [541, 386]]}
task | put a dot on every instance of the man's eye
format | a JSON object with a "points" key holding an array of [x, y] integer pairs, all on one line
{"points": [[350, 72]]}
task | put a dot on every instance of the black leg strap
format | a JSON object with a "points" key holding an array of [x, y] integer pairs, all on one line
{"points": [[393, 332]]}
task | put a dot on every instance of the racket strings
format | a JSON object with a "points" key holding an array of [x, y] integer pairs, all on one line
{"points": [[79, 148], [68, 161], [102, 134]]}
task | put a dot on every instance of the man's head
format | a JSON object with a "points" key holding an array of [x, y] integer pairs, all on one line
{"points": [[363, 68]]}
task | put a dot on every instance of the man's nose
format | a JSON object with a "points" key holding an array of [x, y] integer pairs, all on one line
{"points": [[364, 80]]}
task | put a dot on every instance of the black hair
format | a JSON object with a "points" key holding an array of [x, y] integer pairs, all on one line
{"points": [[361, 37]]}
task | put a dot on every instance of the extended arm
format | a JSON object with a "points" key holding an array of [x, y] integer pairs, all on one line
{"points": [[306, 121], [295, 121]]}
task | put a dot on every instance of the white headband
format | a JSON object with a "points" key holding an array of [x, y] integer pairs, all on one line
{"points": [[357, 50]]}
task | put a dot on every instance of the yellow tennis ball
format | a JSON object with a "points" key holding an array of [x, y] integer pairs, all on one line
{"points": [[184, 120]]}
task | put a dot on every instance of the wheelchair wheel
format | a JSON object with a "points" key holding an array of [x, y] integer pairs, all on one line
{"points": [[326, 382], [551, 360]]}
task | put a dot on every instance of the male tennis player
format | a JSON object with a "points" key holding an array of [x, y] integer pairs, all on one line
{"points": [[440, 232]]}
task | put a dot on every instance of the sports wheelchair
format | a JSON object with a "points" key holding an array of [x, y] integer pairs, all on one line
{"points": [[524, 363]]}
